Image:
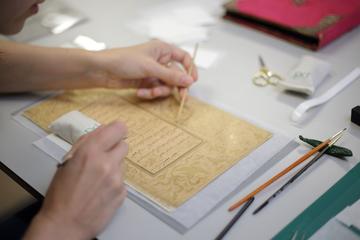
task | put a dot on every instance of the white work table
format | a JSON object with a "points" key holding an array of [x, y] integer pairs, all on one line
{"points": [[228, 82]]}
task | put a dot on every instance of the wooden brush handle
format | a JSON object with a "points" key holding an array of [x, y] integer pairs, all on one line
{"points": [[280, 174]]}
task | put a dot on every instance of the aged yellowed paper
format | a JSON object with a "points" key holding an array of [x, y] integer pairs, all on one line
{"points": [[169, 161]]}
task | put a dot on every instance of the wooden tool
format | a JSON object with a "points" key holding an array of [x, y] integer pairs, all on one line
{"points": [[234, 219], [285, 171], [182, 102]]}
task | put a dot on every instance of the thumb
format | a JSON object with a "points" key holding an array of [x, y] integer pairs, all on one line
{"points": [[170, 76]]}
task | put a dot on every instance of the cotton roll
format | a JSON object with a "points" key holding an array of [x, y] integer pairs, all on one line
{"points": [[72, 125]]}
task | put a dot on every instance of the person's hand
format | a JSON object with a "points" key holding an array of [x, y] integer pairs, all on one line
{"points": [[85, 192], [154, 68]]}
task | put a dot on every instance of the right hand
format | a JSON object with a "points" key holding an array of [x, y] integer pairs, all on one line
{"points": [[153, 68], [86, 192]]}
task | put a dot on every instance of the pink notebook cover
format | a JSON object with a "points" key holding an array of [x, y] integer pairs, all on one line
{"points": [[324, 20]]}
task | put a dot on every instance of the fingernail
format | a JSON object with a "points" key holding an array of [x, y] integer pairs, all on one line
{"points": [[68, 156], [142, 93], [186, 80], [157, 92]]}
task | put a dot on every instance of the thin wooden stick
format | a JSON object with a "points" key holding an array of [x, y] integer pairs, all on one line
{"points": [[283, 172], [182, 103]]}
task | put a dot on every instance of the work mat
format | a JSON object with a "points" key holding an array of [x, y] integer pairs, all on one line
{"points": [[342, 194]]}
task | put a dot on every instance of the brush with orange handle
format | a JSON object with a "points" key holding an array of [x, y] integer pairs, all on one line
{"points": [[285, 171]]}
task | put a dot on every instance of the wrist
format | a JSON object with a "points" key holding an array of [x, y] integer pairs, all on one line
{"points": [[108, 68], [47, 227], [94, 70]]}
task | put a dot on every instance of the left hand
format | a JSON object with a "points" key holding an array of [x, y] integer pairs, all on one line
{"points": [[154, 68], [86, 192]]}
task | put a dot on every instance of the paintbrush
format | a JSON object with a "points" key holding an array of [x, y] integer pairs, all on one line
{"points": [[285, 171], [298, 174]]}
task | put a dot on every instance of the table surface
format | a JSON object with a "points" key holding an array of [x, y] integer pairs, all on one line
{"points": [[229, 82]]}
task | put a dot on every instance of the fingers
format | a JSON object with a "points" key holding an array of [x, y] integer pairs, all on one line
{"points": [[155, 92], [110, 135], [94, 176], [171, 53], [79, 142], [119, 152], [119, 200], [152, 88], [103, 138], [186, 60], [169, 76]]}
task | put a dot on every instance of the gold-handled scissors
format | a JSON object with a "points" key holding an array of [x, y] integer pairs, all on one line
{"points": [[264, 76]]}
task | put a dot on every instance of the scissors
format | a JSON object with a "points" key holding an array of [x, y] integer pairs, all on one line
{"points": [[264, 76]]}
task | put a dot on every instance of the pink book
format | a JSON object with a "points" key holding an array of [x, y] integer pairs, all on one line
{"points": [[310, 23]]}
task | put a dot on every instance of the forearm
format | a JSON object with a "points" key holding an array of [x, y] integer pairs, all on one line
{"points": [[32, 68]]}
